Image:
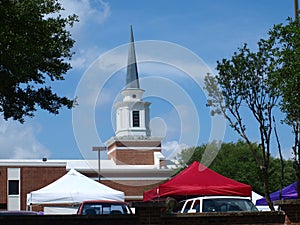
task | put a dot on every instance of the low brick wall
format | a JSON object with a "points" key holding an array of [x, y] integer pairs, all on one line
{"points": [[69, 220], [266, 218], [291, 209], [153, 213]]}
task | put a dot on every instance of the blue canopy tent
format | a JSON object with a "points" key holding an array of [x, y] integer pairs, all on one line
{"points": [[289, 192]]}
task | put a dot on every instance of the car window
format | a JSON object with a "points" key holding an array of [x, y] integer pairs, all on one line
{"points": [[188, 206], [209, 205], [227, 205], [196, 205], [104, 208]]}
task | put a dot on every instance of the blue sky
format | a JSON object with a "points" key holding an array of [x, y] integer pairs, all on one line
{"points": [[210, 30]]}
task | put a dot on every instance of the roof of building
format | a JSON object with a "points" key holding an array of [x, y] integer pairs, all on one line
{"points": [[84, 165], [33, 162], [132, 79], [107, 165]]}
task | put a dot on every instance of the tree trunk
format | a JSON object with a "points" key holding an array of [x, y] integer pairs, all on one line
{"points": [[266, 188], [280, 157], [298, 178], [296, 149], [298, 161]]}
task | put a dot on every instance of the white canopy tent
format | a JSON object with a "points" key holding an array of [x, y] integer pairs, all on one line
{"points": [[72, 188], [255, 196]]}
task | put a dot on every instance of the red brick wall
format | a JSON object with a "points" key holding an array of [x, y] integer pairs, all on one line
{"points": [[34, 178], [154, 213], [69, 220], [112, 155], [291, 207], [245, 218], [3, 182], [148, 216], [131, 188], [134, 157]]}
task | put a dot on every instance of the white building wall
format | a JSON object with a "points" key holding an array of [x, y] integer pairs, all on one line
{"points": [[132, 101], [13, 200]]}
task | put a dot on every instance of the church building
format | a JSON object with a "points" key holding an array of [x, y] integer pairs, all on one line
{"points": [[135, 162]]}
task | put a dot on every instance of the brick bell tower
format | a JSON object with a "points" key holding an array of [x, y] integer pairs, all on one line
{"points": [[133, 143]]}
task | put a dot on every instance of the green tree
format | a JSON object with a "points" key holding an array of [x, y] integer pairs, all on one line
{"points": [[275, 174], [235, 160], [35, 46], [242, 84], [286, 40]]}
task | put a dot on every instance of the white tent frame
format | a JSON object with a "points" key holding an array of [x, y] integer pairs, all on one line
{"points": [[73, 188]]}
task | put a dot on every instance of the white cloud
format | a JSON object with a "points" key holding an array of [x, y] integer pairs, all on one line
{"points": [[85, 57], [87, 10], [171, 149], [18, 141], [158, 127], [287, 154]]}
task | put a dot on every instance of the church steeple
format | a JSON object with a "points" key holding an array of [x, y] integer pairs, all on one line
{"points": [[132, 114], [132, 78], [133, 143]]}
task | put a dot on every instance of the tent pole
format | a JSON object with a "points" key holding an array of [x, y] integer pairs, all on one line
{"points": [[30, 205], [99, 167], [99, 160]]}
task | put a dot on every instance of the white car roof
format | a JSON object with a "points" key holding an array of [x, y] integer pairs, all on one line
{"points": [[216, 197]]}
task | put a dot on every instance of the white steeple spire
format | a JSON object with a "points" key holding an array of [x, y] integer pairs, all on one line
{"points": [[132, 114], [132, 78]]}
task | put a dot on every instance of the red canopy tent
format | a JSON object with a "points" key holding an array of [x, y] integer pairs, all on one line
{"points": [[198, 180]]}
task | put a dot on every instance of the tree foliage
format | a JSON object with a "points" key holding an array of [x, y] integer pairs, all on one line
{"points": [[286, 40], [241, 85], [236, 161], [34, 48], [259, 81]]}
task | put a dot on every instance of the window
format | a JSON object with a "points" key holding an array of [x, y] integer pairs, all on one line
{"points": [[227, 204], [13, 187], [135, 118], [104, 208], [3, 205], [188, 206], [196, 205]]}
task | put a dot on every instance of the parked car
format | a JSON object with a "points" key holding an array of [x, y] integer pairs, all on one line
{"points": [[216, 204], [100, 207]]}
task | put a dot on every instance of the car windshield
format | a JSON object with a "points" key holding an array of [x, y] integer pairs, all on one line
{"points": [[105, 208], [227, 205]]}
